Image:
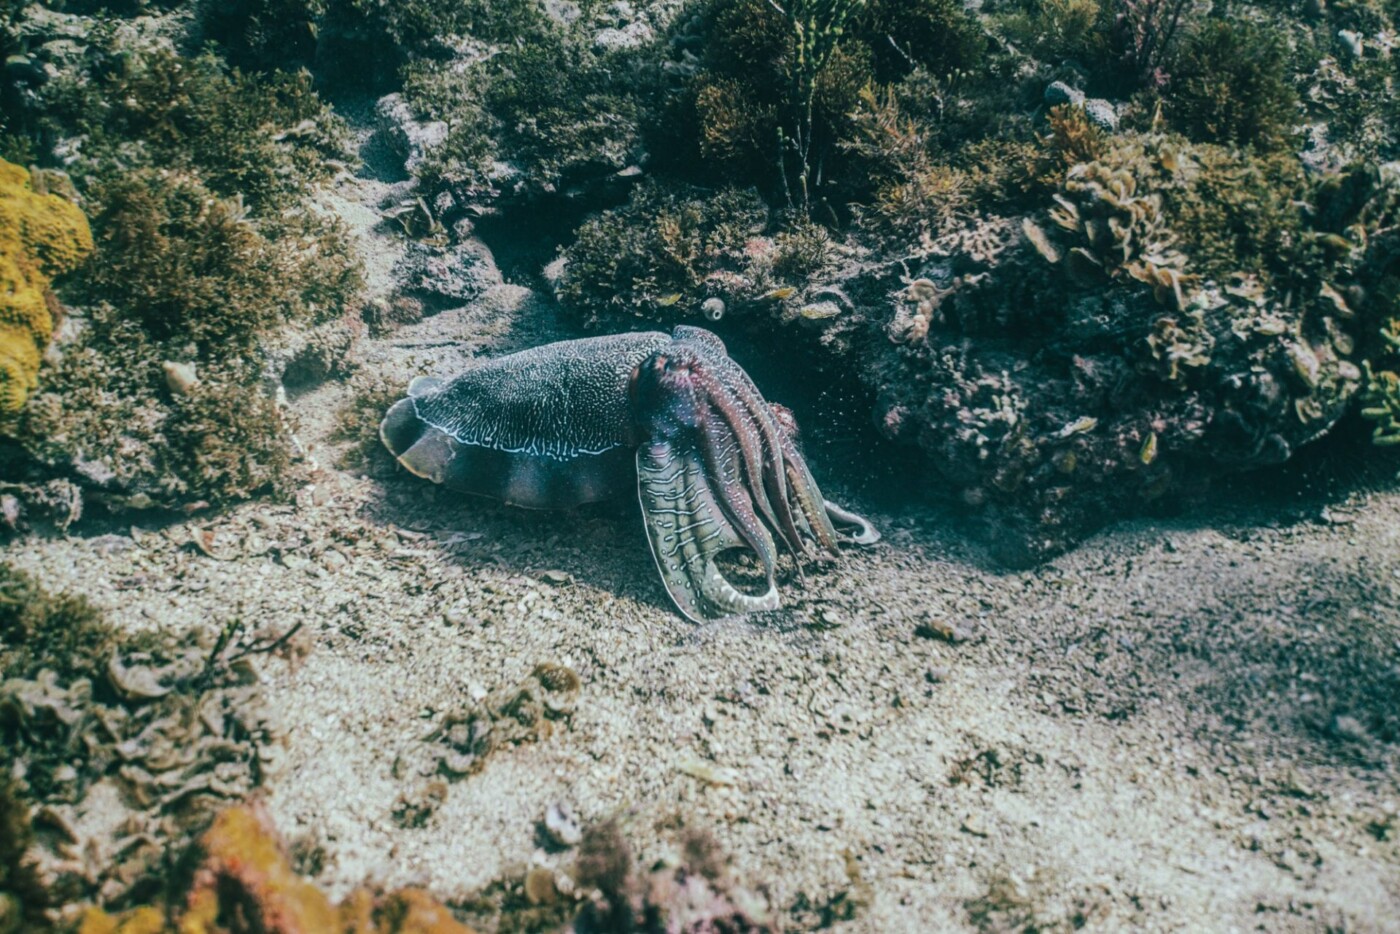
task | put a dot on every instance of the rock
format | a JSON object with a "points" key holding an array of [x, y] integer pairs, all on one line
{"points": [[457, 273], [561, 826], [1101, 113], [1349, 728], [180, 377], [974, 824], [631, 36], [302, 355], [539, 886], [1061, 93], [563, 12], [459, 614], [410, 138]]}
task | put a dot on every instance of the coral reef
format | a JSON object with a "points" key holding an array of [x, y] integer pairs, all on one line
{"points": [[1172, 347], [267, 139], [528, 108], [1144, 217], [665, 250], [41, 236], [236, 877], [239, 292], [684, 255]]}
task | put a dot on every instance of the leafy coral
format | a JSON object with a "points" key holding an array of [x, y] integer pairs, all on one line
{"points": [[41, 236]]}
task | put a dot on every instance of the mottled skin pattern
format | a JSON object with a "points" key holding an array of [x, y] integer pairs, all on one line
{"points": [[715, 467]]}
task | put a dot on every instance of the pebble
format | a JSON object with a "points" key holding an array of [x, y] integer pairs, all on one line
{"points": [[459, 614], [974, 824], [561, 825], [1349, 728]]}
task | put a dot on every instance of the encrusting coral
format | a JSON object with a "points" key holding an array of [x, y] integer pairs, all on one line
{"points": [[41, 236], [240, 881]]}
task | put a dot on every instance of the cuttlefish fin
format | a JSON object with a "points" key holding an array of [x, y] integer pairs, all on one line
{"points": [[422, 385], [689, 526]]}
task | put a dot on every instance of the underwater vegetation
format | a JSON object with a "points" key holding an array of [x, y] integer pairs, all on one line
{"points": [[41, 236], [694, 893], [213, 280], [173, 728], [236, 878], [1076, 306]]}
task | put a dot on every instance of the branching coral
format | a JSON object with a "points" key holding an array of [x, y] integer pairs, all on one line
{"points": [[41, 236]]}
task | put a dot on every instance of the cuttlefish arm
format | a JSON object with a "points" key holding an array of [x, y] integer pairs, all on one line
{"points": [[719, 470]]}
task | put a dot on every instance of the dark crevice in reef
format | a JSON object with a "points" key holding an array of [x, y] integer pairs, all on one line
{"points": [[527, 238], [1324, 473]]}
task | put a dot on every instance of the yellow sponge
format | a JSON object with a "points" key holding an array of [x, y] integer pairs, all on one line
{"points": [[41, 236]]}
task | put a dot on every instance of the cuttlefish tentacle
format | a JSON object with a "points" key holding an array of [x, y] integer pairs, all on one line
{"points": [[688, 529], [708, 411]]}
